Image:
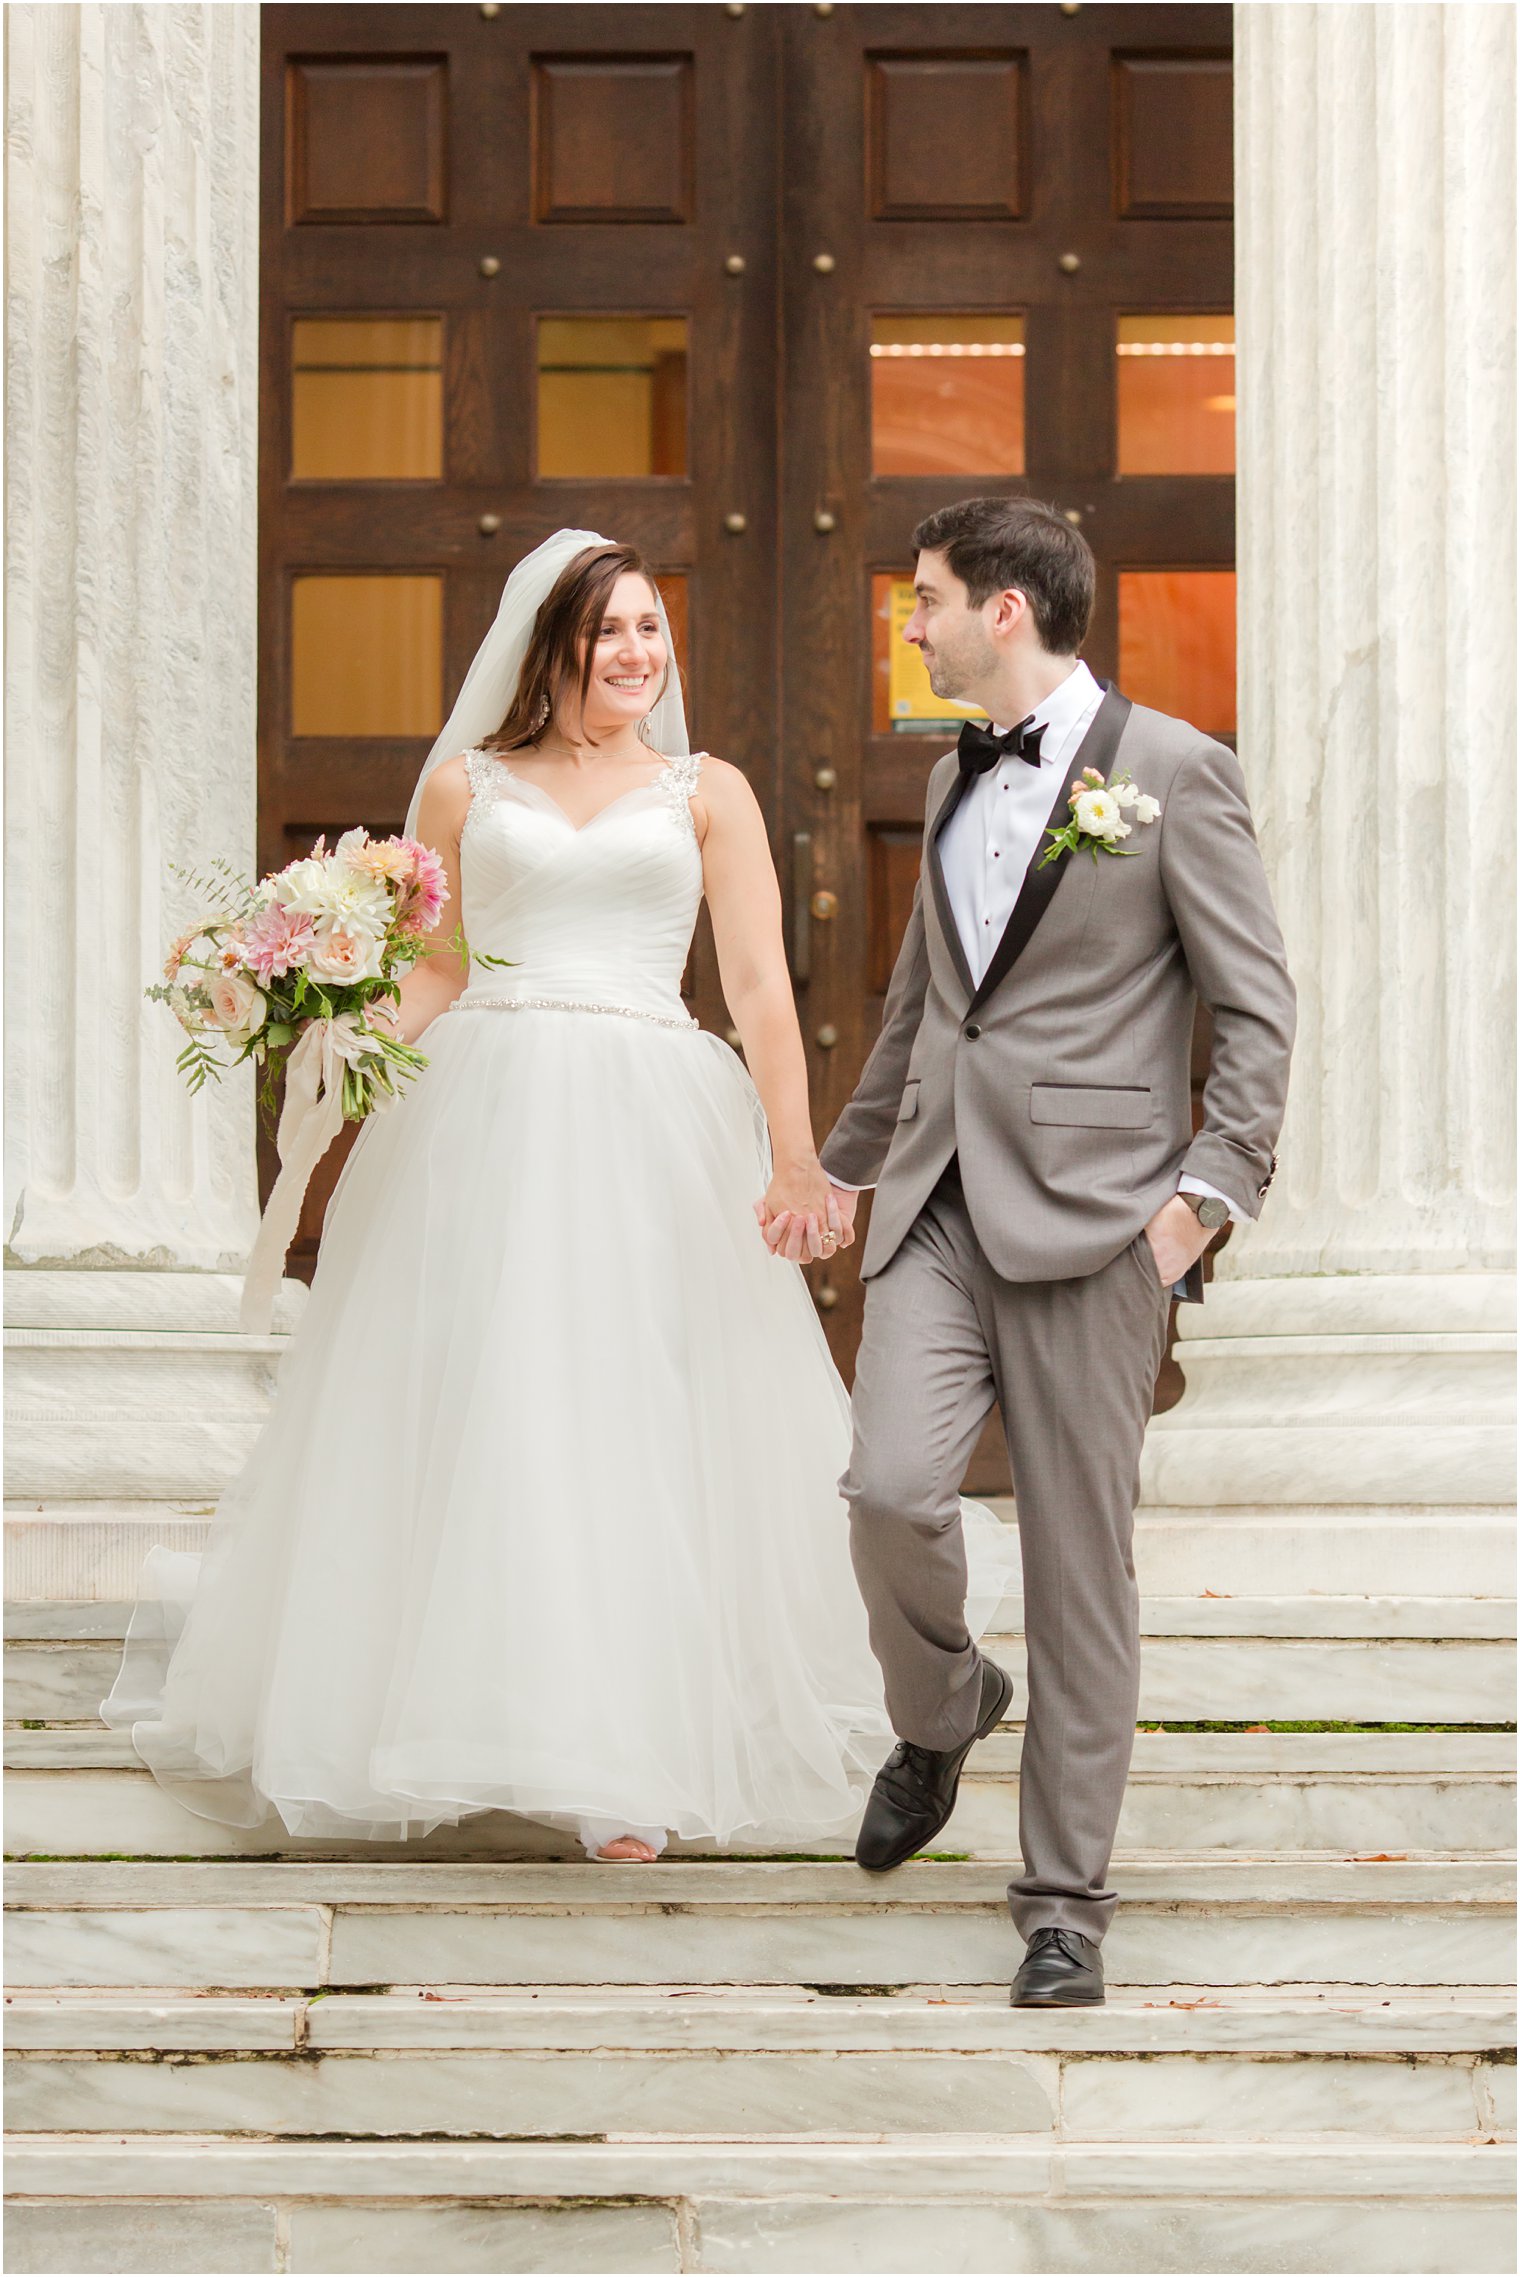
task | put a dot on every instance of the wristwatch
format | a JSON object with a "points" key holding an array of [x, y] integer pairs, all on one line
{"points": [[1208, 1209]]}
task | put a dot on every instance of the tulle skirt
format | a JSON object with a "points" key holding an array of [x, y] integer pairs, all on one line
{"points": [[546, 1516]]}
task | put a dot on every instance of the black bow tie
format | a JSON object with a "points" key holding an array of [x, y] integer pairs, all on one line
{"points": [[980, 750]]}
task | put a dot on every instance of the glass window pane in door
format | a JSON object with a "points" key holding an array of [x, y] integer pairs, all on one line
{"points": [[947, 394], [366, 655], [902, 701], [366, 399], [1177, 643], [611, 397], [1176, 394]]}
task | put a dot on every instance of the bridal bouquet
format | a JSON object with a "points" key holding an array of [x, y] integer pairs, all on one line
{"points": [[295, 962], [286, 973]]}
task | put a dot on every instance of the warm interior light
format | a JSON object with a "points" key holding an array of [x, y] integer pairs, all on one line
{"points": [[947, 347], [1176, 348]]}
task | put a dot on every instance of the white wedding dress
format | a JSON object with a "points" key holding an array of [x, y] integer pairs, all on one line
{"points": [[546, 1516]]}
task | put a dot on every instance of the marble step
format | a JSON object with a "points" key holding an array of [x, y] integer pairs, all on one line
{"points": [[899, 2205], [74, 1790], [516, 2065], [1218, 1679], [93, 1550], [1213, 1920], [85, 1620]]}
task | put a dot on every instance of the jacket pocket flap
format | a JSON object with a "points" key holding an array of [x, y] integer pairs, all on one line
{"points": [[1085, 1107], [909, 1106]]}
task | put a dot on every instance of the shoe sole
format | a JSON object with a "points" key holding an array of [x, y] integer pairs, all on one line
{"points": [[1100, 2002], [988, 1724]]}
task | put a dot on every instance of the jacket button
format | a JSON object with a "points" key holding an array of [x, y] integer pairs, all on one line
{"points": [[972, 1029]]}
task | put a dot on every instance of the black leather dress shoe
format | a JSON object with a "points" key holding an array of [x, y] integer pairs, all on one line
{"points": [[1062, 1969], [915, 1788]]}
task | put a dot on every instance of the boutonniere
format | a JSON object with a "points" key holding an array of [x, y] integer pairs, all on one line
{"points": [[1097, 816]]}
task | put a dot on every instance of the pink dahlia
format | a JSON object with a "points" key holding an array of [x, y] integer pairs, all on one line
{"points": [[278, 940], [423, 897]]}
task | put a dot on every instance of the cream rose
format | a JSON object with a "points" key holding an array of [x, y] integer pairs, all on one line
{"points": [[234, 1004], [344, 953]]}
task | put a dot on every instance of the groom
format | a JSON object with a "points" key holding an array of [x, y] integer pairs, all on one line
{"points": [[1025, 1118]]}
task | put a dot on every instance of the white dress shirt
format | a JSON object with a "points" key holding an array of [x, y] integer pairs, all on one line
{"points": [[998, 829], [995, 833]]}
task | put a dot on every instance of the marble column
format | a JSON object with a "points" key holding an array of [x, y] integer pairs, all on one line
{"points": [[131, 619], [1354, 1348]]}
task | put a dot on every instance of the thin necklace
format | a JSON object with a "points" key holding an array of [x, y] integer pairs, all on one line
{"points": [[564, 750]]}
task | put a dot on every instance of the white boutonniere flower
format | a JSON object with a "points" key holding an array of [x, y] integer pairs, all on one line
{"points": [[1097, 820]]}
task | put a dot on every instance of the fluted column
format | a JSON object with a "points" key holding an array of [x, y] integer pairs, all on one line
{"points": [[132, 267], [1353, 1347]]}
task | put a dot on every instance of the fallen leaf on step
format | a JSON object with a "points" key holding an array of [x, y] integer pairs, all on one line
{"points": [[1217, 1593], [1380, 1858]]}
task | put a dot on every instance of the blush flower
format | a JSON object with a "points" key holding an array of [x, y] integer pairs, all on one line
{"points": [[425, 894], [278, 941], [392, 859], [179, 949], [344, 953], [234, 1004]]}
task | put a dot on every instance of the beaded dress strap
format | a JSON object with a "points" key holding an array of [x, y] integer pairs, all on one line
{"points": [[484, 778], [679, 785]]}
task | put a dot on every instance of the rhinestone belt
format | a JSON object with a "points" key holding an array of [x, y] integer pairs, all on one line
{"points": [[565, 1004]]}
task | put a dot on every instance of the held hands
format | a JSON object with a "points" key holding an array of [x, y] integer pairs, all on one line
{"points": [[803, 1216], [1177, 1239]]}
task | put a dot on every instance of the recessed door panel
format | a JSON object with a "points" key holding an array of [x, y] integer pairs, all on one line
{"points": [[612, 138], [367, 138], [946, 139]]}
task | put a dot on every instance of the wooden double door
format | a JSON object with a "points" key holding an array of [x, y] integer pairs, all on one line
{"points": [[754, 288]]}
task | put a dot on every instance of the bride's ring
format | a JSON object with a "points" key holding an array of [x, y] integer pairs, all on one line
{"points": [[829, 1240]]}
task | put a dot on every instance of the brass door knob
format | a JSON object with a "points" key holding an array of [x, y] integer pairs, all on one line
{"points": [[491, 9], [824, 906], [824, 263], [735, 524], [488, 525], [490, 265], [732, 1038], [825, 779], [734, 8], [1073, 515], [827, 1037], [1069, 264], [823, 521], [825, 1297], [735, 264]]}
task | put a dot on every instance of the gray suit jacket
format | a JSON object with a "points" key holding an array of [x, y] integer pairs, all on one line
{"points": [[1062, 1081]]}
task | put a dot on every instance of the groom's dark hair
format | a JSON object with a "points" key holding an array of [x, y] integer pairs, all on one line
{"points": [[994, 543]]}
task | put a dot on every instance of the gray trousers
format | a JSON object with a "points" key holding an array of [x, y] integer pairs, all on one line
{"points": [[1073, 1365]]}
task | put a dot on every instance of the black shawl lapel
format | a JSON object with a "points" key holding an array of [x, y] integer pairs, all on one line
{"points": [[947, 924], [1099, 748]]}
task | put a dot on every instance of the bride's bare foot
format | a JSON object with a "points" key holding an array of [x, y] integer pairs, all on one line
{"points": [[628, 1850]]}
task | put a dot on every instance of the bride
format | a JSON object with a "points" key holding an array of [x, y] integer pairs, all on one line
{"points": [[546, 1516]]}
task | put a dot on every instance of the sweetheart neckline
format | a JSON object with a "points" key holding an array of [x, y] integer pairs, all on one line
{"points": [[578, 829]]}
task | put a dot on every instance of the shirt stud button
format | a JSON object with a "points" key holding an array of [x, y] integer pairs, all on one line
{"points": [[972, 1029]]}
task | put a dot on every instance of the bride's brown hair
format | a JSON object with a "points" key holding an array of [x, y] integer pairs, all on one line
{"points": [[567, 621]]}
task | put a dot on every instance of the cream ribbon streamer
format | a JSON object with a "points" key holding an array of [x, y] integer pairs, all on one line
{"points": [[310, 1119]]}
